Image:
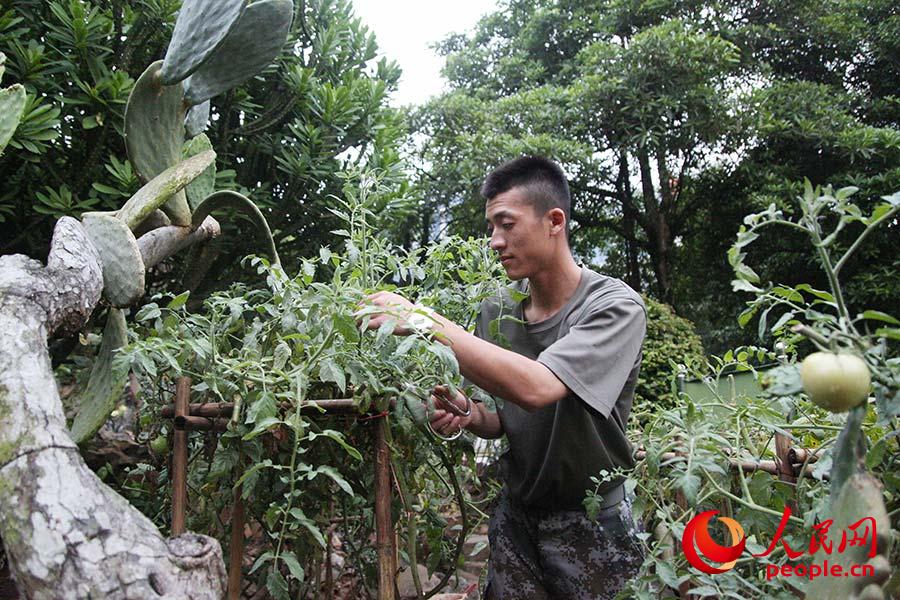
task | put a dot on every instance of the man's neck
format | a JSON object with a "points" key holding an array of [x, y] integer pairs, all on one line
{"points": [[552, 287]]}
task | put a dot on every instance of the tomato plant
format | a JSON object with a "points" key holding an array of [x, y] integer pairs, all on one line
{"points": [[691, 453], [268, 350]]}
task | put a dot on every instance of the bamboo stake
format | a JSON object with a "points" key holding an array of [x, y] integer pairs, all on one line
{"points": [[237, 545], [191, 423], [783, 465], [329, 575], [384, 529], [783, 458], [180, 457], [224, 409]]}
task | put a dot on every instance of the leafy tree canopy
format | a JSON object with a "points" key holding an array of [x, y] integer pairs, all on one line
{"points": [[672, 119]]}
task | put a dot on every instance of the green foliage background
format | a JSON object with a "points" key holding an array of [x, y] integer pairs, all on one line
{"points": [[670, 340], [281, 138], [673, 119]]}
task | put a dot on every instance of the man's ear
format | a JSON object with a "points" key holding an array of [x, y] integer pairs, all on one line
{"points": [[557, 217]]}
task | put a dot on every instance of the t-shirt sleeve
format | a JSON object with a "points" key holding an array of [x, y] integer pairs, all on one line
{"points": [[596, 356]]}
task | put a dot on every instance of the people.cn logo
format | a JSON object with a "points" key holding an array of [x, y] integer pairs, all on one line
{"points": [[697, 533]]}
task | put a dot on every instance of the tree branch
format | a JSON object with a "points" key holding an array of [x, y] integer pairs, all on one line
{"points": [[163, 242], [647, 186], [74, 537]]}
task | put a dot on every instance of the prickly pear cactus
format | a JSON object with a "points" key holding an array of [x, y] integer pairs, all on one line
{"points": [[196, 119], [252, 43], [123, 268], [159, 191], [201, 28], [106, 382], [12, 106], [240, 203], [860, 498], [154, 133], [216, 45], [205, 183]]}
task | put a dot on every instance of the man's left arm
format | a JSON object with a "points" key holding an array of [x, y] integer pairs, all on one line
{"points": [[500, 372]]}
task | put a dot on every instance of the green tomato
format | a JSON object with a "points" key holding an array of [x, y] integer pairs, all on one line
{"points": [[159, 445], [835, 382]]}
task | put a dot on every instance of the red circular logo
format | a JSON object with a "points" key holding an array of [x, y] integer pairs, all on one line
{"points": [[697, 532]]}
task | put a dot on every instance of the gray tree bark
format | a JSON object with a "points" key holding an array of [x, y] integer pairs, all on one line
{"points": [[66, 534]]}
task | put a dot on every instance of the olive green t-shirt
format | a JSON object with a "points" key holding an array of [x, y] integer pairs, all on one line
{"points": [[593, 345]]}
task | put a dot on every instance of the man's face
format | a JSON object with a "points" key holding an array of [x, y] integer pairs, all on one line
{"points": [[519, 235]]}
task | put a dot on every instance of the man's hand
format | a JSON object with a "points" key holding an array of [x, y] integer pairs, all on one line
{"points": [[445, 420], [389, 306]]}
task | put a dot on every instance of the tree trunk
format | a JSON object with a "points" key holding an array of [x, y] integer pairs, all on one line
{"points": [[633, 274], [425, 225], [66, 534], [661, 253], [658, 232], [629, 222]]}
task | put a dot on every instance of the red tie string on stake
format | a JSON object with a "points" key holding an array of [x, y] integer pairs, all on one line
{"points": [[377, 416]]}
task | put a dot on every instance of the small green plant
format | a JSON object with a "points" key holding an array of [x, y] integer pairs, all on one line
{"points": [[824, 318], [670, 340], [60, 202]]}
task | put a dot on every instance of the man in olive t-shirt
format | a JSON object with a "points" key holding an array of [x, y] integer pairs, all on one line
{"points": [[593, 345], [565, 366]]}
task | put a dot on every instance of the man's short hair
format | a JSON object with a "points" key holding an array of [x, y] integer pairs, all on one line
{"points": [[543, 181]]}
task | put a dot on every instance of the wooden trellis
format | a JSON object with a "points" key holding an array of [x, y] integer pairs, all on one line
{"points": [[789, 464], [214, 416]]}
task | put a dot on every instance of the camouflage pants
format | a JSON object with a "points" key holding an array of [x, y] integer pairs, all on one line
{"points": [[540, 554]]}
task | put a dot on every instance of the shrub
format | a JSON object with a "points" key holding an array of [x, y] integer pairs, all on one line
{"points": [[670, 340]]}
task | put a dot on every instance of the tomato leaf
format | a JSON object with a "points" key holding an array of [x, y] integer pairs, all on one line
{"points": [[877, 315], [293, 565]]}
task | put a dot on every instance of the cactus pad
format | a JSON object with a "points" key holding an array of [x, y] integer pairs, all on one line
{"points": [[123, 269], [252, 43], [196, 119], [105, 385], [240, 203], [162, 187], [205, 183], [12, 105], [860, 497], [201, 27], [154, 133]]}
